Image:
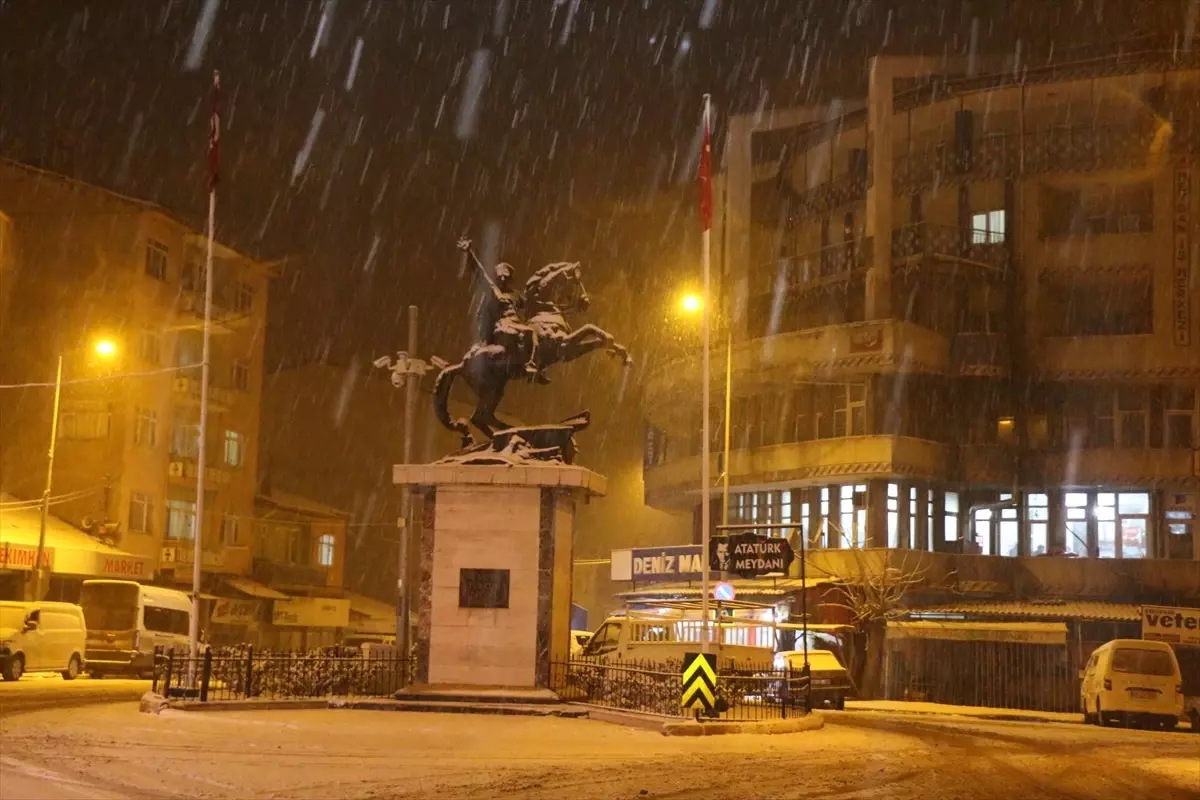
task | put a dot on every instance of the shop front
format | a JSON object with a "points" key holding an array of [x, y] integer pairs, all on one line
{"points": [[305, 623]]}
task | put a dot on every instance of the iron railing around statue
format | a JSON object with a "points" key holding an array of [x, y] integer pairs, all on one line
{"points": [[242, 673], [743, 693]]}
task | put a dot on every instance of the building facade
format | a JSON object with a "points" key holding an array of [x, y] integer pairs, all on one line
{"points": [[965, 315], [89, 263]]}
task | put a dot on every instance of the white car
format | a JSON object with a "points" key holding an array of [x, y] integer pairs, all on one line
{"points": [[1132, 682], [579, 640], [41, 637]]}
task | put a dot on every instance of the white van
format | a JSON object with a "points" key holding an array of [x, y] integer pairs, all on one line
{"points": [[126, 621], [41, 637], [1133, 682]]}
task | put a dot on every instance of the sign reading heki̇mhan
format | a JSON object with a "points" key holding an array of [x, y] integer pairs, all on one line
{"points": [[699, 681], [1181, 258], [1175, 625], [750, 554]]}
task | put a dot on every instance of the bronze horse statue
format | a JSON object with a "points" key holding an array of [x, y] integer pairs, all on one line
{"points": [[542, 339]]}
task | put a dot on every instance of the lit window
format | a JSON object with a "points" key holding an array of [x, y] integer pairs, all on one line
{"points": [[156, 260], [950, 531], [1037, 513], [893, 515], [141, 512], [181, 519], [235, 448], [185, 440], [325, 547], [988, 227], [145, 430]]}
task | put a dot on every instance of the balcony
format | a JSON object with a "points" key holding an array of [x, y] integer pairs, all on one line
{"points": [[1113, 466], [926, 244], [1136, 356], [986, 464], [186, 392], [275, 574], [179, 554], [226, 317], [184, 470], [676, 484]]}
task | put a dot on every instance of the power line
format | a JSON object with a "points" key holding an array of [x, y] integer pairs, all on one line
{"points": [[148, 373]]}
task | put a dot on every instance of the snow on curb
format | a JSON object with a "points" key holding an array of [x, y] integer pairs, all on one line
{"points": [[809, 722], [152, 703]]}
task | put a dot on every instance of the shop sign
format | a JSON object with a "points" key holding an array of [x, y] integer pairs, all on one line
{"points": [[123, 566], [866, 341], [21, 556], [750, 554], [1175, 625], [678, 563], [311, 612], [235, 612], [1181, 259]]}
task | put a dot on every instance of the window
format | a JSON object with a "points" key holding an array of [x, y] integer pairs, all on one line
{"points": [[1133, 519], [156, 260], [988, 227], [1090, 306], [849, 409], [983, 531], [189, 349], [930, 519], [150, 348], [950, 529], [1131, 419], [1076, 528], [914, 525], [853, 515], [230, 531], [145, 430], [325, 550], [1010, 530], [235, 449], [830, 539], [141, 512], [84, 424], [194, 277], [185, 440], [1037, 512], [167, 620], [1143, 662], [1104, 429], [1180, 423], [181, 519], [893, 515], [243, 300], [239, 378]]}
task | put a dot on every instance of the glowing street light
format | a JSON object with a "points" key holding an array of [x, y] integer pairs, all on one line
{"points": [[691, 303], [105, 348]]}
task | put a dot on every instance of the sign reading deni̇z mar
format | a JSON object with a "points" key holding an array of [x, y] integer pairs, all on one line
{"points": [[1175, 625], [678, 563]]}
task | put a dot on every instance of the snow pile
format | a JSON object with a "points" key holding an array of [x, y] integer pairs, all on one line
{"points": [[152, 703]]}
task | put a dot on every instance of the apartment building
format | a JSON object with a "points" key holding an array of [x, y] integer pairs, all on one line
{"points": [[86, 264]]}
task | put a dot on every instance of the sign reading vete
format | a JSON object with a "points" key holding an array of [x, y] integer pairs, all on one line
{"points": [[680, 563], [750, 554], [1175, 625], [699, 681]]}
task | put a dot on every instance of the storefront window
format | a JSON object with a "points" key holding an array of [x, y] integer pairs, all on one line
{"points": [[1009, 530], [1037, 512], [1133, 511], [983, 531], [1106, 525], [1076, 534]]}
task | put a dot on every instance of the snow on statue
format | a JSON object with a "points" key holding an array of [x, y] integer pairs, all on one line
{"points": [[521, 335]]}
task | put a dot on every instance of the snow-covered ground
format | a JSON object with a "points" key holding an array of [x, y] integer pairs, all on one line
{"points": [[113, 751]]}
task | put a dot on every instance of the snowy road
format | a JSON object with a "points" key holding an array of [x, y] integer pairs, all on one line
{"points": [[51, 691], [113, 751]]}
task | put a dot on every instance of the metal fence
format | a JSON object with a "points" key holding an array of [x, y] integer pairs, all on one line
{"points": [[243, 673], [743, 694]]}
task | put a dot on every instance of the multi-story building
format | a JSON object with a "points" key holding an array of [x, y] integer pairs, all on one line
{"points": [[965, 314], [87, 263]]}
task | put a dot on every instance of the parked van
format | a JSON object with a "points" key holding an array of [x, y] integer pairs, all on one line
{"points": [[41, 637], [126, 621], [830, 684], [1132, 682], [659, 638]]}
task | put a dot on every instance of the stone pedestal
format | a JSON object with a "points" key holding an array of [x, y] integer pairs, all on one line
{"points": [[493, 593]]}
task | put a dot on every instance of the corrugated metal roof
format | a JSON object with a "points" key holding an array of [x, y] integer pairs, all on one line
{"points": [[750, 587], [1093, 610]]}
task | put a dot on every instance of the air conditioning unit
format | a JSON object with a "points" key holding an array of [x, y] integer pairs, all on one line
{"points": [[175, 469], [168, 555]]}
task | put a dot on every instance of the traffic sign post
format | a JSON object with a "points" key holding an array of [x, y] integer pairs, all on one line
{"points": [[699, 682]]}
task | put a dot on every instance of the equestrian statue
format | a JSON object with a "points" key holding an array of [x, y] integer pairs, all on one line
{"points": [[521, 334]]}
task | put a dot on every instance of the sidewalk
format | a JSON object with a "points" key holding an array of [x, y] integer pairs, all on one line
{"points": [[977, 712]]}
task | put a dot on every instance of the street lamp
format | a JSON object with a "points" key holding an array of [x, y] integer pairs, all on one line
{"points": [[105, 349]]}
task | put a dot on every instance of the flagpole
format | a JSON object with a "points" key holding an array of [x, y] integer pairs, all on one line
{"points": [[705, 466], [205, 365]]}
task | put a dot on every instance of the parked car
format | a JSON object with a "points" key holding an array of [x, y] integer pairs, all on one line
{"points": [[41, 637], [1132, 682], [829, 681], [579, 640], [127, 620]]}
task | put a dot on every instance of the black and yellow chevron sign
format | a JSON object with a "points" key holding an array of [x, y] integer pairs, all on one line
{"points": [[699, 681]]}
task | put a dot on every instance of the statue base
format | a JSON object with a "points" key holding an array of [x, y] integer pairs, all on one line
{"points": [[530, 444], [494, 587]]}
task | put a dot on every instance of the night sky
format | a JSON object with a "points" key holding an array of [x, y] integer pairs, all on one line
{"points": [[348, 144]]}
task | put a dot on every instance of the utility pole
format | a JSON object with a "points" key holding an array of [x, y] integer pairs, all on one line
{"points": [[41, 548], [411, 384]]}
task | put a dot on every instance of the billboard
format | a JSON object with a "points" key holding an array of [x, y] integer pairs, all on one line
{"points": [[1174, 625]]}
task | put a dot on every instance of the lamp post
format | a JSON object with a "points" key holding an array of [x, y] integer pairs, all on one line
{"points": [[105, 349]]}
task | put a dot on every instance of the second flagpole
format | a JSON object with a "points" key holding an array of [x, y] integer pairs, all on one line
{"points": [[705, 466]]}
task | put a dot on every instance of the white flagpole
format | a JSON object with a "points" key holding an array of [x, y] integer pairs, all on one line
{"points": [[201, 459], [705, 466]]}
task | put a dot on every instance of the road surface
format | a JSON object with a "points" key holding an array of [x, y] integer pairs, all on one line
{"points": [[104, 752], [50, 691]]}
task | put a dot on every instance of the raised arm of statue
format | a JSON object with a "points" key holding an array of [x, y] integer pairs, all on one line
{"points": [[464, 244]]}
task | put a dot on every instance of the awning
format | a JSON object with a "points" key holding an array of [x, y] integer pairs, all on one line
{"points": [[67, 551], [1044, 609], [743, 588], [254, 589], [1013, 632]]}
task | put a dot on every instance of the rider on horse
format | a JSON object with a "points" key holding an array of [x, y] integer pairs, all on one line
{"points": [[502, 316]]}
